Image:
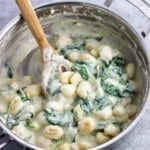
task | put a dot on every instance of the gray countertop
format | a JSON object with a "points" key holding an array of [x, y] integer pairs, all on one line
{"points": [[139, 139]]}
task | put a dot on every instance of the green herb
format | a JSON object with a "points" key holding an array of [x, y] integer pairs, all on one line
{"points": [[57, 118], [22, 95], [53, 87], [118, 61], [98, 38], [100, 103], [86, 105], [110, 89], [100, 126], [19, 117], [93, 105], [127, 91], [79, 46], [9, 71], [82, 69]]}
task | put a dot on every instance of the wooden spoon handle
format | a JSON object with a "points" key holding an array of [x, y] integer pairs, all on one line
{"points": [[33, 22]]}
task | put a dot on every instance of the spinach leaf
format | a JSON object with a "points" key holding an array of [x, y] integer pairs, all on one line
{"points": [[100, 126], [98, 38], [124, 90], [128, 90], [57, 118], [78, 46], [100, 103], [22, 95], [83, 38], [118, 61], [53, 87], [82, 69], [21, 116], [110, 89], [94, 105], [115, 70], [9, 71], [86, 105]]}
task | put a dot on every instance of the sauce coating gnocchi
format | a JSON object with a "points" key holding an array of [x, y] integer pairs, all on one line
{"points": [[89, 103]]}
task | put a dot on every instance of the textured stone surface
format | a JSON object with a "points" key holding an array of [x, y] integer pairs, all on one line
{"points": [[139, 137]]}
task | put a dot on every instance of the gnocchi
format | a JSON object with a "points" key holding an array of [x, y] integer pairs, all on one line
{"points": [[83, 89], [68, 90], [86, 125], [89, 101], [53, 132]]}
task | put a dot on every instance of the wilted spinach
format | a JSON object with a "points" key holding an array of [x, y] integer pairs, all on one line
{"points": [[57, 118], [79, 46], [93, 105], [82, 69], [22, 95], [100, 126], [21, 116], [9, 71]]}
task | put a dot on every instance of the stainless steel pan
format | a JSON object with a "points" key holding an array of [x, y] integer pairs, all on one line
{"points": [[16, 32]]}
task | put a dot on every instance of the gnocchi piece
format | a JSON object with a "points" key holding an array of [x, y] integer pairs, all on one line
{"points": [[8, 97], [64, 146], [38, 103], [43, 142], [76, 78], [27, 80], [119, 110], [21, 131], [126, 101], [94, 53], [105, 113], [57, 106], [134, 85], [65, 77], [84, 145], [40, 118], [91, 44], [63, 41], [86, 57], [79, 113], [106, 53], [33, 90], [14, 85], [111, 130], [68, 90], [53, 132], [15, 105], [30, 108], [112, 100], [100, 91], [87, 125], [131, 109], [73, 56], [5, 81], [84, 88], [122, 119], [101, 138], [74, 146], [130, 69]]}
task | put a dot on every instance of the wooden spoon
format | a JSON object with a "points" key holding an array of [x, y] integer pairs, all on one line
{"points": [[46, 49]]}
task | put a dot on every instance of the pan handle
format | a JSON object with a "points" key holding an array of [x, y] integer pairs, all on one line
{"points": [[143, 6], [4, 139]]}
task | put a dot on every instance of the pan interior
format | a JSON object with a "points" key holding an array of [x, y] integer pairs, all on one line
{"points": [[19, 49]]}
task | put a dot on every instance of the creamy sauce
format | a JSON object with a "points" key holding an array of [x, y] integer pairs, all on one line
{"points": [[91, 100]]}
